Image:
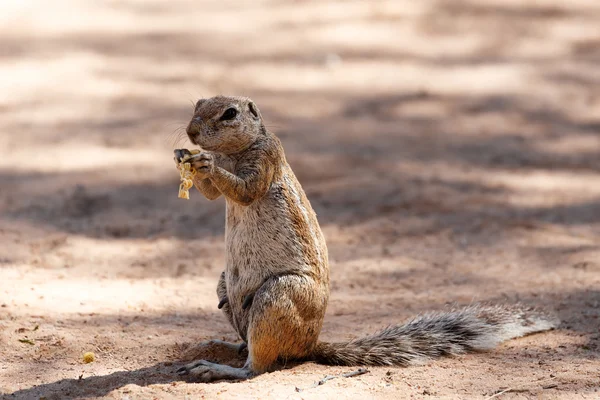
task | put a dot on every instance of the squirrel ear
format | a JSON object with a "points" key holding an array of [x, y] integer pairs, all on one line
{"points": [[254, 110]]}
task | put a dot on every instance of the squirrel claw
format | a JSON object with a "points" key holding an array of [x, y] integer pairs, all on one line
{"points": [[223, 301], [186, 369], [247, 301], [243, 346], [180, 153], [183, 371]]}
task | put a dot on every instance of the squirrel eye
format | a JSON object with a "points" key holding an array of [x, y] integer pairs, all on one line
{"points": [[230, 113]]}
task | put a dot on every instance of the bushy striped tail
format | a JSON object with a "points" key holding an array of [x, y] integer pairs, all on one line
{"points": [[433, 335]]}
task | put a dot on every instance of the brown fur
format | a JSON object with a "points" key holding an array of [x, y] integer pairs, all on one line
{"points": [[275, 287]]}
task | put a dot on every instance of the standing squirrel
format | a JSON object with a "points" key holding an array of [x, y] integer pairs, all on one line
{"points": [[275, 287]]}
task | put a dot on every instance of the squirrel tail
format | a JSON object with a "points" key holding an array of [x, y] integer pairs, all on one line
{"points": [[470, 329]]}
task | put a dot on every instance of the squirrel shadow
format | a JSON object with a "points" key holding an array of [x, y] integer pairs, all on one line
{"points": [[160, 373]]}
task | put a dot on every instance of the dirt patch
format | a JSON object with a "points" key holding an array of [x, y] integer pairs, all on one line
{"points": [[450, 149]]}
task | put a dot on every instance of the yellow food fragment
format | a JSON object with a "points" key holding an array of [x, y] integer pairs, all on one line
{"points": [[88, 357], [186, 174]]}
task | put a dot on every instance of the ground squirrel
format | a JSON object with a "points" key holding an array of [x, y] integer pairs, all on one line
{"points": [[275, 287]]}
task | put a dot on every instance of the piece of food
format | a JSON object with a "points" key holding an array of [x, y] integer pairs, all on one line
{"points": [[186, 173], [88, 357]]}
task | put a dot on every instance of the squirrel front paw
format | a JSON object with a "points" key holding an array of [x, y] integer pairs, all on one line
{"points": [[201, 162], [182, 155]]}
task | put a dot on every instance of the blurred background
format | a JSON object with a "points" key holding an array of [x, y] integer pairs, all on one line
{"points": [[451, 149]]}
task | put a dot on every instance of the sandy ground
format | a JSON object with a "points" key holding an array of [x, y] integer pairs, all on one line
{"points": [[451, 149]]}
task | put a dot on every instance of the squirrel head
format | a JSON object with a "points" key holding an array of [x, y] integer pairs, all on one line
{"points": [[225, 124]]}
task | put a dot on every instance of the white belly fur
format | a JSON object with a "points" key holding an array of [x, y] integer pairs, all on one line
{"points": [[260, 242]]}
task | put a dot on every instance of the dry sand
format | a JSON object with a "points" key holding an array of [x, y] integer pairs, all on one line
{"points": [[450, 148]]}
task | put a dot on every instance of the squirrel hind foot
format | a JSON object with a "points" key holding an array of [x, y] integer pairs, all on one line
{"points": [[205, 371]]}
